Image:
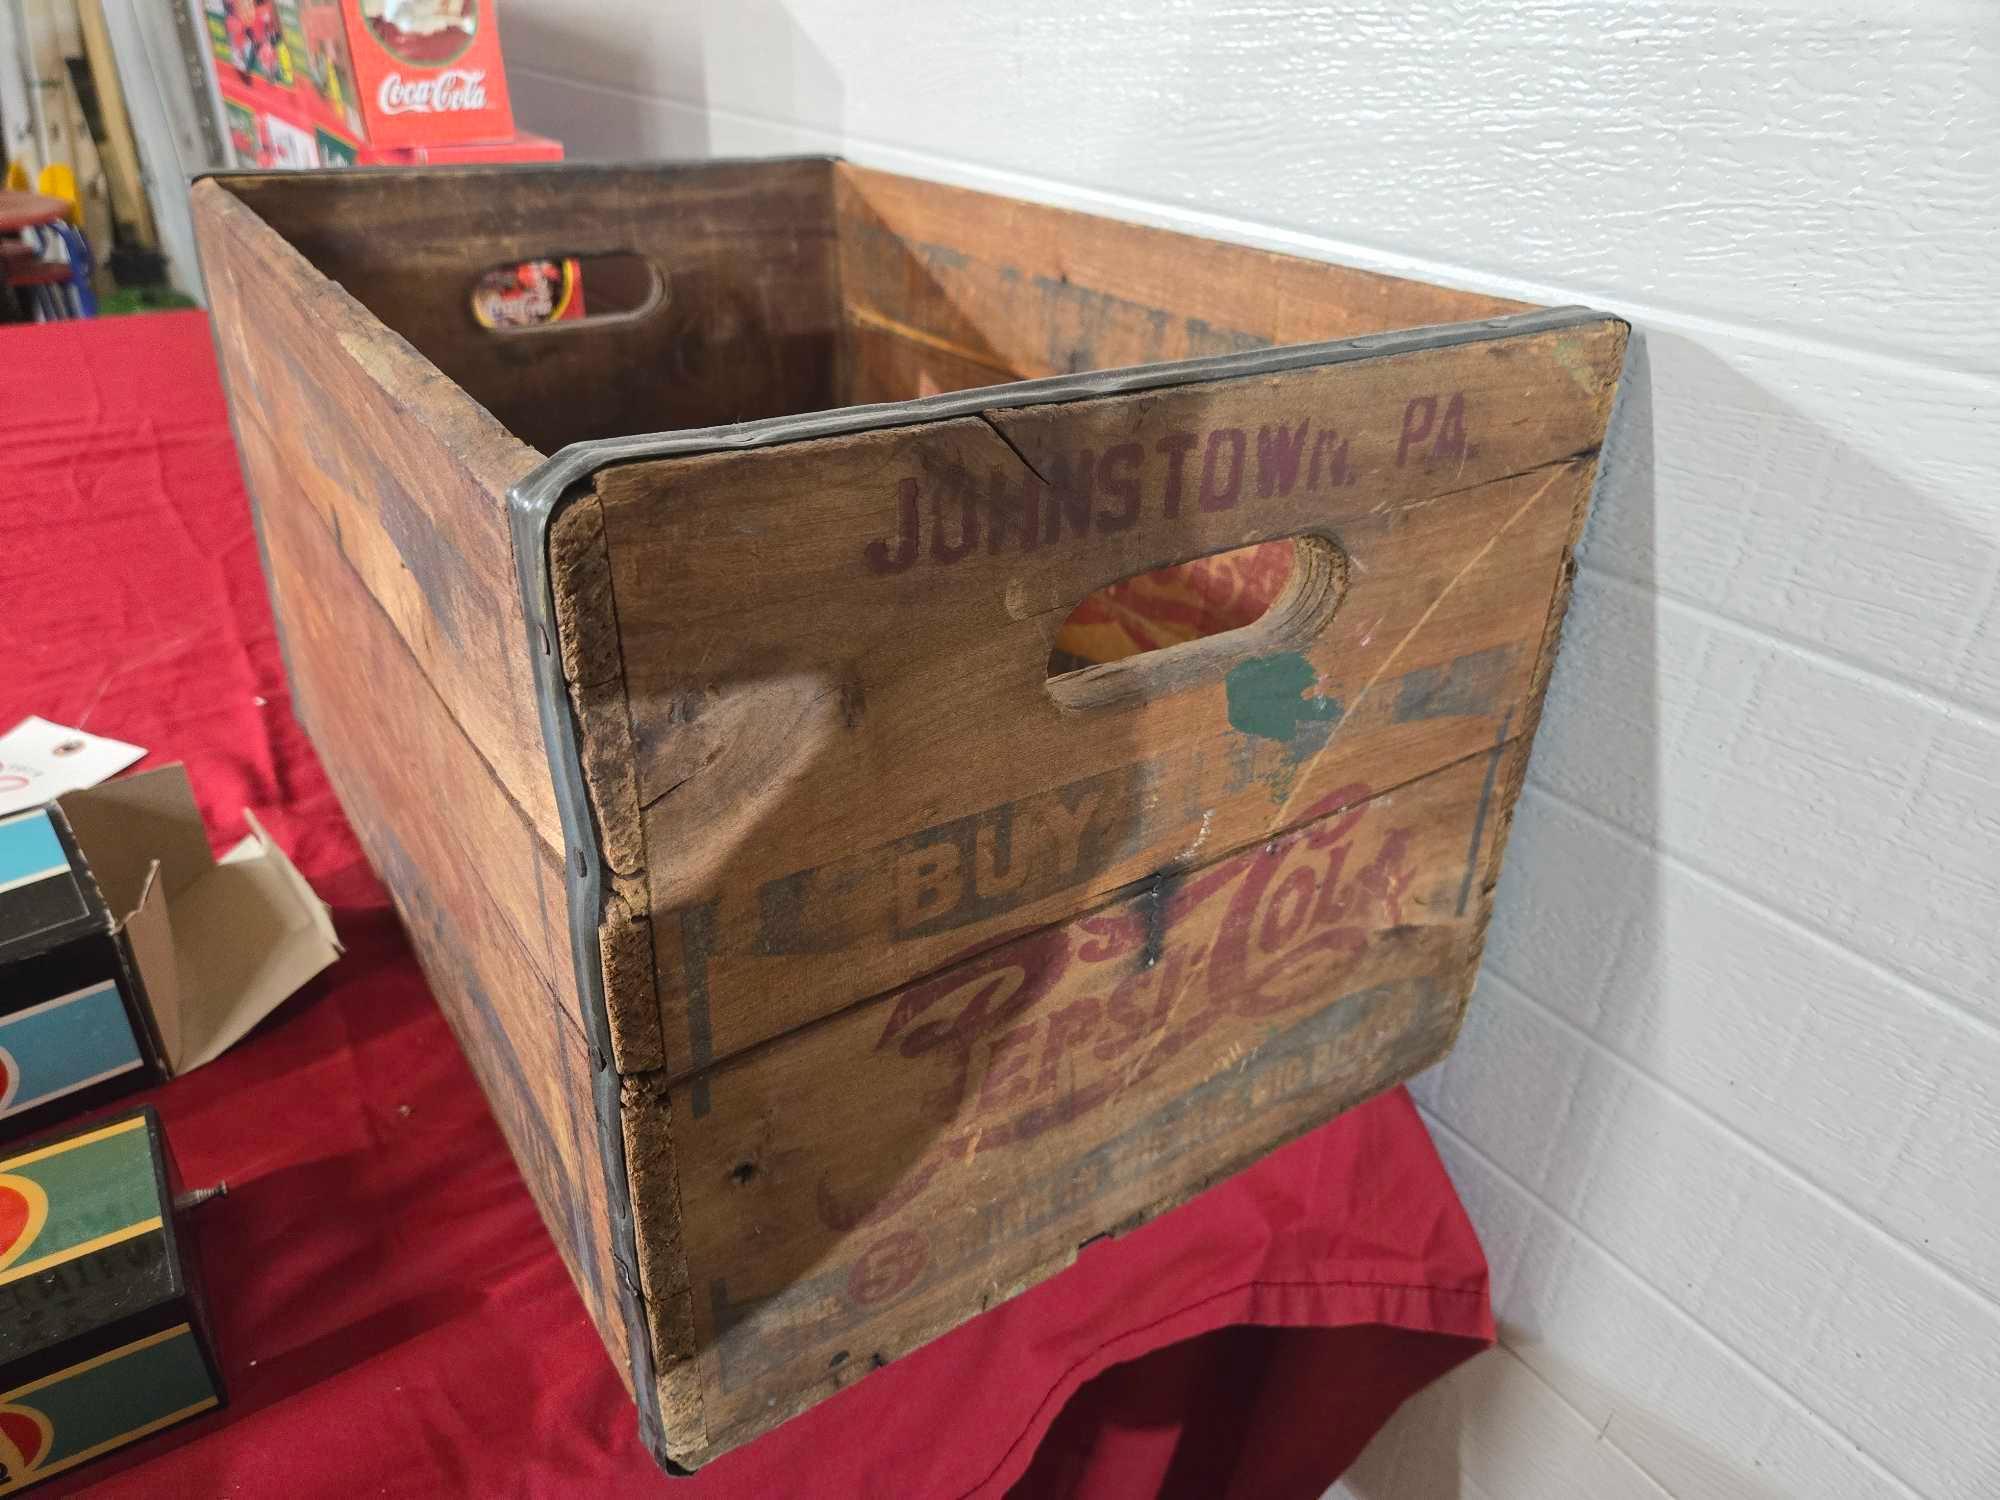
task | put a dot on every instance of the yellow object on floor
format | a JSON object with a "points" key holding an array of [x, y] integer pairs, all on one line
{"points": [[58, 181]]}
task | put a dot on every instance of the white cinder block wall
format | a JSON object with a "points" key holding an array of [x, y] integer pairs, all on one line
{"points": [[1727, 1109]]}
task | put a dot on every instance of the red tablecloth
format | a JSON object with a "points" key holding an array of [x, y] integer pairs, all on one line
{"points": [[393, 1320]]}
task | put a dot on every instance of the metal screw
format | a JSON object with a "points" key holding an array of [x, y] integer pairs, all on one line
{"points": [[195, 1197]]}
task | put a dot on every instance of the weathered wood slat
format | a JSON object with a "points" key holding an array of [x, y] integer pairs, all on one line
{"points": [[745, 324], [880, 361], [409, 472], [479, 892], [1034, 290], [857, 769], [518, 875], [992, 1118]]}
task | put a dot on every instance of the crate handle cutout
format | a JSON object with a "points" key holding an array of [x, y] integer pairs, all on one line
{"points": [[1168, 628], [546, 292]]}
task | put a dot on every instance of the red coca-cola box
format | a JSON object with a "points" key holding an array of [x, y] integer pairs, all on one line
{"points": [[524, 147], [427, 71], [406, 72], [369, 76]]}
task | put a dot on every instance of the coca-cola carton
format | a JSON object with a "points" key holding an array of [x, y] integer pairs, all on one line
{"points": [[524, 147], [254, 43], [406, 72]]}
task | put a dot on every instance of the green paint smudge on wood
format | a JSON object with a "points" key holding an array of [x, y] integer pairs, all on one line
{"points": [[1269, 699]]}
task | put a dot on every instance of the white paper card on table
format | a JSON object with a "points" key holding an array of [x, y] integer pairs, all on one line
{"points": [[39, 761]]}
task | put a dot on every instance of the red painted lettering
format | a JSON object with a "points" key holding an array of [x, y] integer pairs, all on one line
{"points": [[1333, 902], [1018, 513], [1386, 876], [1330, 452], [1281, 926], [880, 558], [1005, 1059], [1068, 1027], [1118, 477], [1175, 445], [1216, 492], [1278, 453], [1451, 442], [957, 484], [1126, 1013], [1070, 493], [1417, 419]]}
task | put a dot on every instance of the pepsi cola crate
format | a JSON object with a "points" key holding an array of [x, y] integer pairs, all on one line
{"points": [[925, 734]]}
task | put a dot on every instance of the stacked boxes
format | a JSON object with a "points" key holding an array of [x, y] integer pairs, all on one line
{"points": [[356, 83], [75, 1028], [103, 1336], [343, 83], [129, 953]]}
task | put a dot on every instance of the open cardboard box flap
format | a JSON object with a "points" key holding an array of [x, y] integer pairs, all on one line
{"points": [[219, 944]]}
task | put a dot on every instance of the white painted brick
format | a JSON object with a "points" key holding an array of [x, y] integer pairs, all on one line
{"points": [[1906, 1366], [1558, 918], [1787, 1278], [1503, 1216], [1493, 1429], [1935, 884], [1640, 1370], [1881, 1096], [1819, 1059], [1668, 1195], [1836, 799], [1722, 1424], [1800, 1461], [1516, 1126], [1760, 481], [1705, 156], [1978, 677], [1943, 1193]]}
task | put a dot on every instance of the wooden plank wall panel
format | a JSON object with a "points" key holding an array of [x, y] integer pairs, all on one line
{"points": [[498, 963], [1087, 1076], [515, 872], [809, 754], [906, 707], [744, 326], [411, 474], [412, 717], [980, 283]]}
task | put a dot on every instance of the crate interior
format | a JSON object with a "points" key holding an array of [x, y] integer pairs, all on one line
{"points": [[725, 292]]}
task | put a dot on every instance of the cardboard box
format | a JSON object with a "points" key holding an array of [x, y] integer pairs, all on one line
{"points": [[75, 1028], [524, 147], [407, 72], [345, 83], [103, 1338], [128, 953], [389, 72], [255, 41], [265, 130]]}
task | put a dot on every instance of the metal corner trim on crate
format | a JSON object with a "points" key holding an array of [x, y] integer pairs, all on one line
{"points": [[533, 505]]}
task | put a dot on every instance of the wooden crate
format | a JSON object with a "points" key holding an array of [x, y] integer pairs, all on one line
{"points": [[833, 970]]}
